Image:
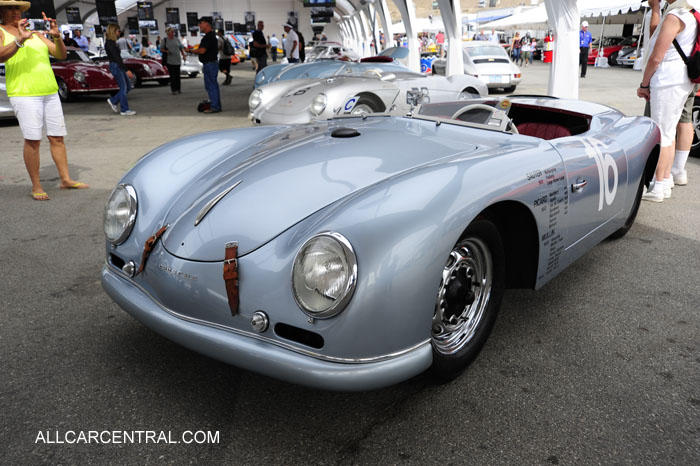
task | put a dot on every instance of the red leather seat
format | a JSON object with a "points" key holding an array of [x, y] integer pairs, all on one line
{"points": [[543, 130]]}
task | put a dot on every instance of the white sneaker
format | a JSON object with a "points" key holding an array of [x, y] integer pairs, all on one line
{"points": [[670, 182], [681, 179], [667, 192], [654, 195], [114, 107], [128, 113]]}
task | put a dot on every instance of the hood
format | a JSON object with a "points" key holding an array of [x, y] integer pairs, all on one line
{"points": [[84, 67], [287, 177]]}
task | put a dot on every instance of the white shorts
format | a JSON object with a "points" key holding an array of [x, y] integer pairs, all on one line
{"points": [[666, 105], [33, 113]]}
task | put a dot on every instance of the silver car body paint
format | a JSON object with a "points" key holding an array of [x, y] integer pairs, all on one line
{"points": [[402, 193]]}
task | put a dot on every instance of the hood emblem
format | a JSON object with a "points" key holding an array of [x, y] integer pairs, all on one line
{"points": [[210, 205]]}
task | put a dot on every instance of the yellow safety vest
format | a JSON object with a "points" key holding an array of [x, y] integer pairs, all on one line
{"points": [[28, 72]]}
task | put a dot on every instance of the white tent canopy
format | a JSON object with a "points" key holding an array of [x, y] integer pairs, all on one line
{"points": [[587, 9]]}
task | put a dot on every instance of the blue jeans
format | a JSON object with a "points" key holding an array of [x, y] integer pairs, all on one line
{"points": [[124, 86], [211, 71]]}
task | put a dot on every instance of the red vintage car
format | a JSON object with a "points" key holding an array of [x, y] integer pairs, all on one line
{"points": [[77, 74], [611, 47], [145, 69]]}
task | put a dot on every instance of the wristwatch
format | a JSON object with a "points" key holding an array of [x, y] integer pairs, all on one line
{"points": [[18, 44], [643, 86]]}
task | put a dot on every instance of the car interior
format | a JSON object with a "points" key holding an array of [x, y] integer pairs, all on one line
{"points": [[511, 116]]}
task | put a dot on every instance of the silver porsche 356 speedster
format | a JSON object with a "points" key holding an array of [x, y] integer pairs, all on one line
{"points": [[355, 253]]}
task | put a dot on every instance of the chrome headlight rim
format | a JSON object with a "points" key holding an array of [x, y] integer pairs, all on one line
{"points": [[318, 104], [79, 76], [255, 99], [133, 209], [351, 284]]}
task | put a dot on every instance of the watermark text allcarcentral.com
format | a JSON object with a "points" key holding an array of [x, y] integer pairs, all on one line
{"points": [[126, 436]]}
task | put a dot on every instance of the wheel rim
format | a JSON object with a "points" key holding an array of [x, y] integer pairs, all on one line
{"points": [[464, 294], [63, 90], [362, 109], [696, 125]]}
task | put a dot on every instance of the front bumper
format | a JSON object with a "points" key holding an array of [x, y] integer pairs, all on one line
{"points": [[259, 356]]}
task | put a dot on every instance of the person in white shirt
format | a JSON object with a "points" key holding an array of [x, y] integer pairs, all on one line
{"points": [[274, 42], [291, 45], [665, 83]]}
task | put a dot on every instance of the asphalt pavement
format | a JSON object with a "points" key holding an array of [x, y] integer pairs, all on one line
{"points": [[601, 366]]}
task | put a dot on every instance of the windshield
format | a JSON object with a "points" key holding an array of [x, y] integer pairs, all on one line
{"points": [[76, 55], [320, 70], [485, 51]]}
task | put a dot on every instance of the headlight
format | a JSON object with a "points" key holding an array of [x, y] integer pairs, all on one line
{"points": [[255, 99], [147, 68], [318, 104], [324, 275], [120, 213], [79, 76]]}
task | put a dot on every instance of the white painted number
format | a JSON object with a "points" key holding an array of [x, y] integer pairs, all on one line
{"points": [[604, 162]]}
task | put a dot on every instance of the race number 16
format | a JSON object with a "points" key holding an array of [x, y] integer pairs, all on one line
{"points": [[604, 162]]}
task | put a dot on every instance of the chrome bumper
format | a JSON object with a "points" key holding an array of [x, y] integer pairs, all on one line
{"points": [[259, 356]]}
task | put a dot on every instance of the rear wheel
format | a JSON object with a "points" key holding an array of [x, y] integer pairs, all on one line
{"points": [[63, 92], [612, 59], [470, 294], [633, 213], [468, 93], [509, 89], [193, 75]]}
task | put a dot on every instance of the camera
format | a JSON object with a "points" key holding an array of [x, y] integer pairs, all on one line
{"points": [[38, 25]]}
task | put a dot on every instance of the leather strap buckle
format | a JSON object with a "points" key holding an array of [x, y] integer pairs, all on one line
{"points": [[231, 276], [148, 247]]}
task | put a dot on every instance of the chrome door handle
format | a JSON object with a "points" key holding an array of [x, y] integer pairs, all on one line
{"points": [[578, 186]]}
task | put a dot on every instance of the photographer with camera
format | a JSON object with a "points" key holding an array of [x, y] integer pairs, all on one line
{"points": [[32, 89]]}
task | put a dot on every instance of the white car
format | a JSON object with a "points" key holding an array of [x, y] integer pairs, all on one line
{"points": [[489, 62], [382, 88]]}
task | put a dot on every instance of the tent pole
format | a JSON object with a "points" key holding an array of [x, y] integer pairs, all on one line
{"points": [[600, 42]]}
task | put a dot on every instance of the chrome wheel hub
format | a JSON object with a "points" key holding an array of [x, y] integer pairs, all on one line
{"points": [[465, 289]]}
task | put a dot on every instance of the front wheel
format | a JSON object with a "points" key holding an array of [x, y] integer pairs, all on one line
{"points": [[695, 147], [63, 92], [163, 82], [612, 59], [468, 299], [363, 107]]}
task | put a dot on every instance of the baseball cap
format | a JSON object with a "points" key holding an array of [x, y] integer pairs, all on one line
{"points": [[584, 24]]}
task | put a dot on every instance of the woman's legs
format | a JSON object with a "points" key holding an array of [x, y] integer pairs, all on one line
{"points": [[121, 79]]}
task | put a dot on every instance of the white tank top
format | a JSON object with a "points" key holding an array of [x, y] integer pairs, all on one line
{"points": [[672, 69]]}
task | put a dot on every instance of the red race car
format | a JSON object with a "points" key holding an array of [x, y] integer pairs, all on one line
{"points": [[611, 47], [77, 74], [144, 69]]}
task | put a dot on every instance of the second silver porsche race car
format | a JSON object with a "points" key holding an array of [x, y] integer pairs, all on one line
{"points": [[383, 88]]}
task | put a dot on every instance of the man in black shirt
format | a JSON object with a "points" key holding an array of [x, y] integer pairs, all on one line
{"points": [[208, 52], [260, 46]]}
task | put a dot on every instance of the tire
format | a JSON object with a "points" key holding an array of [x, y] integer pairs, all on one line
{"points": [[509, 89], [137, 80], [63, 92], [164, 82], [468, 300], [364, 106], [695, 147], [468, 93], [612, 59], [193, 75], [633, 213]]}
